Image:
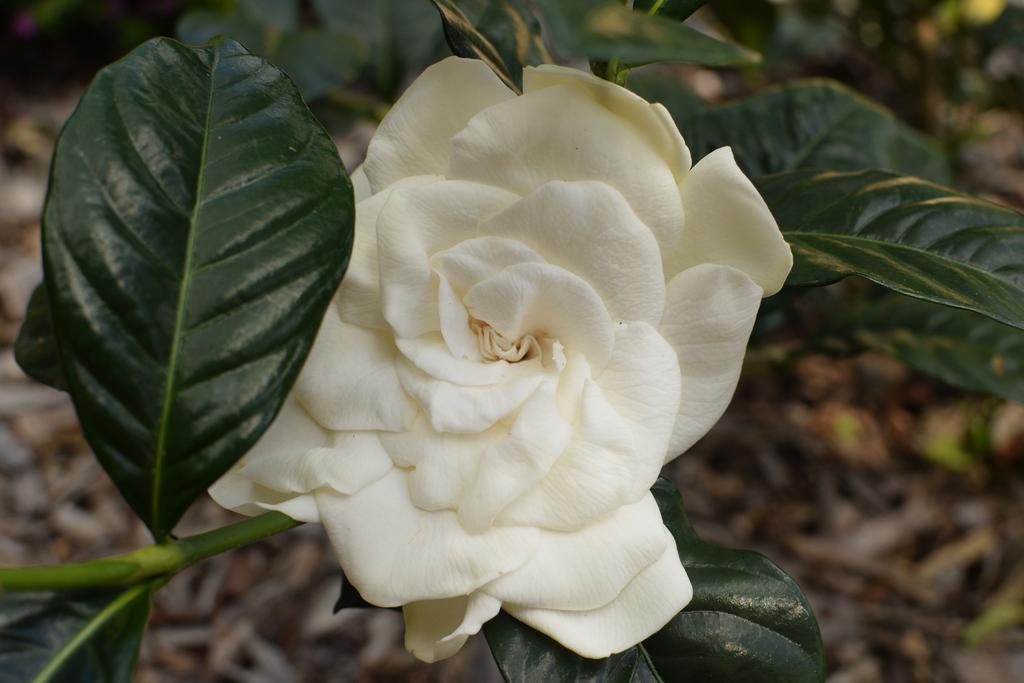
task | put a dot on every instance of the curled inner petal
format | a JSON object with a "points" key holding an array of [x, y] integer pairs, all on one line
{"points": [[496, 346]]}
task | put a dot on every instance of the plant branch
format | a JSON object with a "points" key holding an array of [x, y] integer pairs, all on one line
{"points": [[166, 558], [615, 72]]}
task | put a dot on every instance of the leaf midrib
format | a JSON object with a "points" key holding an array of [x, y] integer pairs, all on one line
{"points": [[897, 245], [818, 138], [94, 624], [650, 664], [160, 450]]}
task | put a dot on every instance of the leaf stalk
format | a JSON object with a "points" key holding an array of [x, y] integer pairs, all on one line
{"points": [[161, 559]]}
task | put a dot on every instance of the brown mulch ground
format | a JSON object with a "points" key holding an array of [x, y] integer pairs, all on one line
{"points": [[822, 464]]}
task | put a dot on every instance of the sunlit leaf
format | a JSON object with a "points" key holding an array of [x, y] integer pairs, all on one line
{"points": [[804, 124], [906, 234], [504, 34]]}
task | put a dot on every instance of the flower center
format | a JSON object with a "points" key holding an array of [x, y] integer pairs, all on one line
{"points": [[496, 346]]}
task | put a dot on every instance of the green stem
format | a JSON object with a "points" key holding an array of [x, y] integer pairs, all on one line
{"points": [[615, 72], [166, 558], [656, 7]]}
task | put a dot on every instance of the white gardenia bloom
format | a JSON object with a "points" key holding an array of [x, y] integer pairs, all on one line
{"points": [[545, 304]]}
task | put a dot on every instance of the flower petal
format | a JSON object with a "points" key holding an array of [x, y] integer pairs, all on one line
{"points": [[644, 606], [589, 568], [728, 222], [413, 139], [437, 629], [592, 478], [642, 382], [356, 460], [244, 496], [358, 297], [588, 229], [523, 143], [360, 184], [709, 314], [394, 553], [454, 319], [467, 409], [430, 354], [349, 381], [442, 465], [290, 436], [513, 465], [469, 262], [415, 224], [652, 120], [545, 300]]}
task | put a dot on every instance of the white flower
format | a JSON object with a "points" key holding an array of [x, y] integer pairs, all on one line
{"points": [[545, 304]]}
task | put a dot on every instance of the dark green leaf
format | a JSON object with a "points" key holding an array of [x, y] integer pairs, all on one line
{"points": [[349, 598], [811, 124], [654, 85], [748, 621], [960, 348], [403, 36], [672, 9], [906, 234], [466, 40], [201, 26], [197, 223], [524, 655], [36, 347], [319, 62], [505, 34], [82, 637], [512, 27], [606, 29]]}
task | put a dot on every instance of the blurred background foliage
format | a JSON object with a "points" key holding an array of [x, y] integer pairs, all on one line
{"points": [[939, 64], [881, 487], [948, 67]]}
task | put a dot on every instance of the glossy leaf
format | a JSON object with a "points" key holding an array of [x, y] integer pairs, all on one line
{"points": [[504, 34], [607, 29], [958, 347], [906, 234], [36, 350], [748, 621], [466, 40], [807, 124], [525, 655], [403, 37], [349, 598], [672, 9], [197, 224], [81, 637]]}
